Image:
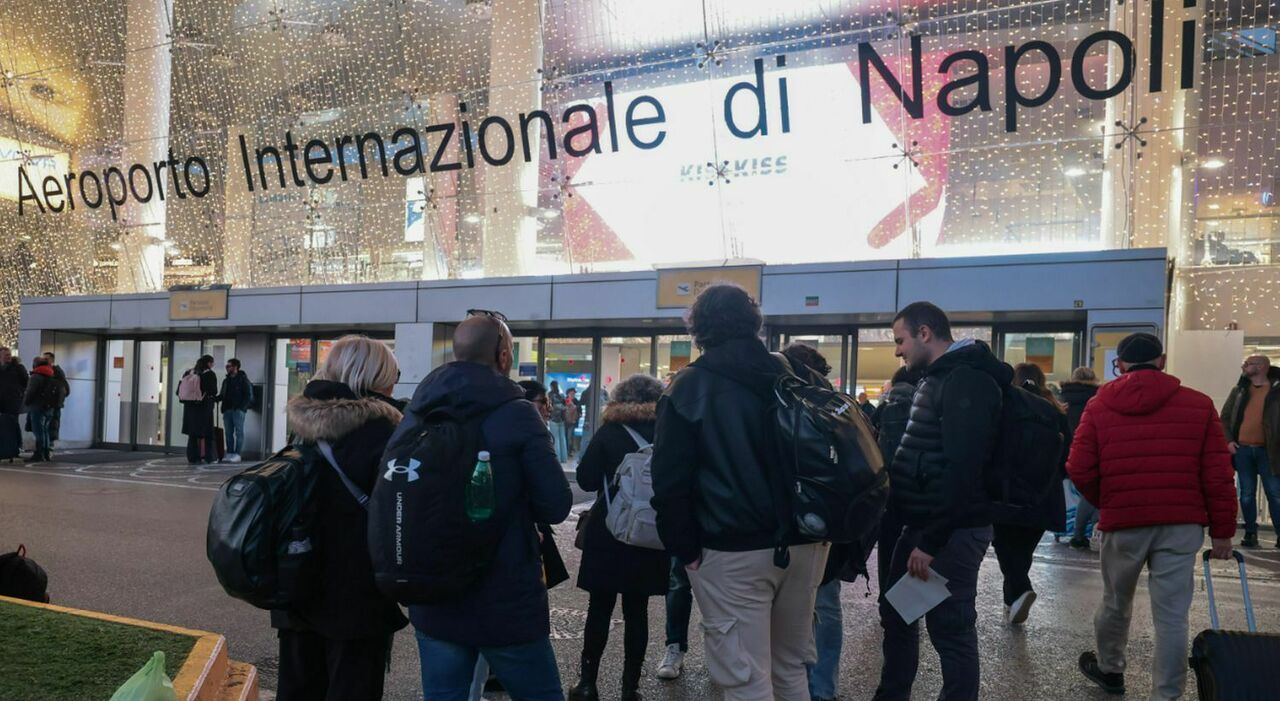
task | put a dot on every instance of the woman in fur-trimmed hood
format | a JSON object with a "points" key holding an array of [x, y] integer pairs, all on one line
{"points": [[610, 568], [336, 647]]}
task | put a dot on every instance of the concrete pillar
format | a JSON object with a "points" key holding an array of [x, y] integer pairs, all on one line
{"points": [[510, 192], [148, 68]]}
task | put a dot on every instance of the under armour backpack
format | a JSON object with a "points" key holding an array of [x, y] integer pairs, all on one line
{"points": [[260, 539], [424, 548], [630, 514], [834, 473], [1028, 457]]}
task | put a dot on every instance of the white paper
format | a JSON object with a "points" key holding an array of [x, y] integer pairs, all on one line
{"points": [[913, 598]]}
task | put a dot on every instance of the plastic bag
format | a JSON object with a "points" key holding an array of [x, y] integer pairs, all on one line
{"points": [[148, 684]]}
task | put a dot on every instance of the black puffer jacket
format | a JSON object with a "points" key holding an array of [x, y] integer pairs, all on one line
{"points": [[13, 387], [714, 453], [349, 606], [937, 473], [1076, 395]]}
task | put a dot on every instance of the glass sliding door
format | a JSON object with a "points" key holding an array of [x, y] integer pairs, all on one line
{"points": [[183, 358], [570, 363], [153, 399], [1054, 352], [621, 358], [118, 391], [674, 353]]}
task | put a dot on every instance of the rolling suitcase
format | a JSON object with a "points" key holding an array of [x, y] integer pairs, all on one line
{"points": [[1234, 665], [10, 437]]}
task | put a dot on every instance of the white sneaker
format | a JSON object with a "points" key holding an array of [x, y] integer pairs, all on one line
{"points": [[672, 663], [1016, 613], [232, 457]]}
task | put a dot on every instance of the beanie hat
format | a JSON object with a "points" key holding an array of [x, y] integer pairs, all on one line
{"points": [[1139, 348]]}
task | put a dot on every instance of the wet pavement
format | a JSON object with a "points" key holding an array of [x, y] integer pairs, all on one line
{"points": [[124, 534]]}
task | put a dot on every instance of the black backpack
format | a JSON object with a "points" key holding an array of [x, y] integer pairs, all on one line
{"points": [[1028, 457], [830, 465], [22, 578], [424, 548], [260, 539]]}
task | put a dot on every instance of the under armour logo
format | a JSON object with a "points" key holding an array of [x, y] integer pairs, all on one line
{"points": [[411, 469]]}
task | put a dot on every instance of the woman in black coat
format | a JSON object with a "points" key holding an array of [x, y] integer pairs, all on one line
{"points": [[610, 568], [336, 647], [1015, 543], [197, 416]]}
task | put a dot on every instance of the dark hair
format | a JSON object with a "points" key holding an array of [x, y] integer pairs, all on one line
{"points": [[637, 389], [532, 389], [52, 357], [39, 361], [919, 314], [235, 362], [721, 312], [204, 363], [1030, 377], [907, 375], [807, 356], [571, 389]]}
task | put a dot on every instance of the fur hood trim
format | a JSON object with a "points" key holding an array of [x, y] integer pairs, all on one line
{"points": [[330, 419], [629, 413]]}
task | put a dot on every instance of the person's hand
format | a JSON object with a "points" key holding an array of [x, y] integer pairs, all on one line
{"points": [[1233, 447], [918, 564], [693, 566], [1221, 549]]}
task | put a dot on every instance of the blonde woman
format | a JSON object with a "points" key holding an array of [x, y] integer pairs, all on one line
{"points": [[336, 647]]}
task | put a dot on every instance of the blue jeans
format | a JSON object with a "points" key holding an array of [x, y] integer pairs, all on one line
{"points": [[1251, 463], [528, 671], [828, 635], [679, 606], [478, 679], [952, 624], [557, 437], [40, 419], [233, 426]]}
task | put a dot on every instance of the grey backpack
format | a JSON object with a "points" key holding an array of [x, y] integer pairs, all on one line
{"points": [[631, 518]]}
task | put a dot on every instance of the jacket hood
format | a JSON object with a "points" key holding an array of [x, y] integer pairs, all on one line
{"points": [[901, 392], [42, 370], [1139, 392], [1078, 392], [1273, 376], [628, 413], [330, 410], [745, 359], [464, 390], [977, 355]]}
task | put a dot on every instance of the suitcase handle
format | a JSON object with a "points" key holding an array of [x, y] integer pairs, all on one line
{"points": [[1244, 585]]}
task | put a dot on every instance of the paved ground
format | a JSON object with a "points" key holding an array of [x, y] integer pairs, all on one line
{"points": [[124, 533]]}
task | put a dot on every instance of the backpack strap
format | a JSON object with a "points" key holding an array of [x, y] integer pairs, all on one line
{"points": [[327, 451], [641, 443]]}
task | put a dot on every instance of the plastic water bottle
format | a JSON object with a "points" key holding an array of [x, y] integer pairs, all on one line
{"points": [[480, 497]]}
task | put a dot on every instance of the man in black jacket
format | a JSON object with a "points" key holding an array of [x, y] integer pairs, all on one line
{"points": [[506, 617], [236, 396], [1251, 419], [937, 488], [713, 471], [13, 383]]}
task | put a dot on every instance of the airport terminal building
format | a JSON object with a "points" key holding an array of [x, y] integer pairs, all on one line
{"points": [[254, 179]]}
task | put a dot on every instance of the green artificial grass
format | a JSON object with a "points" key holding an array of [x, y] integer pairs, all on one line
{"points": [[50, 656]]}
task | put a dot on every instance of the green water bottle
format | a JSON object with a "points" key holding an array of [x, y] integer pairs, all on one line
{"points": [[480, 498]]}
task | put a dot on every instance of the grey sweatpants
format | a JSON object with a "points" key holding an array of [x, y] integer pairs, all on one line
{"points": [[1169, 554]]}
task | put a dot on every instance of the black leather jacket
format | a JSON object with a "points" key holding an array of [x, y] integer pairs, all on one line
{"points": [[937, 473], [713, 453]]}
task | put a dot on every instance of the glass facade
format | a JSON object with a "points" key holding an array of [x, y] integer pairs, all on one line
{"points": [[317, 142]]}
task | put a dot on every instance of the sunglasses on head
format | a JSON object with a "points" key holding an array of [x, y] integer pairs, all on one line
{"points": [[485, 312]]}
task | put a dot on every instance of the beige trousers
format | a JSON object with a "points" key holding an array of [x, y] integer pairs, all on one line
{"points": [[757, 620], [1169, 555]]}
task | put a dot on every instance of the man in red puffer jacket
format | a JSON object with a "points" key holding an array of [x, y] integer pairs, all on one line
{"points": [[1152, 455]]}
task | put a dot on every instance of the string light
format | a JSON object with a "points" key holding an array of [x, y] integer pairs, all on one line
{"points": [[322, 69]]}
